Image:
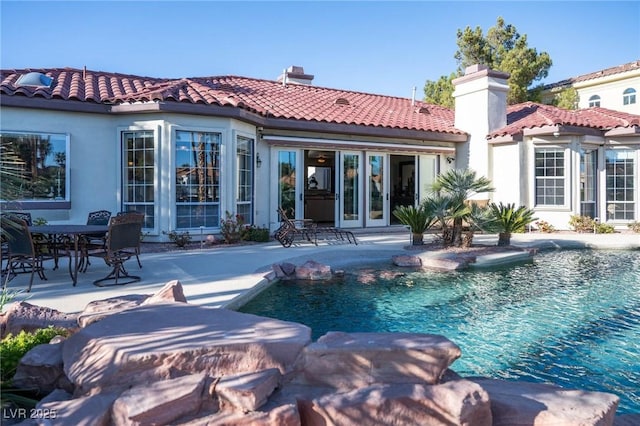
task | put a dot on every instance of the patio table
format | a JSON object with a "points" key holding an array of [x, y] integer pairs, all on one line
{"points": [[74, 231]]}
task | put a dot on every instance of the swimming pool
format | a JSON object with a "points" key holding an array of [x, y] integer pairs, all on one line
{"points": [[571, 317]]}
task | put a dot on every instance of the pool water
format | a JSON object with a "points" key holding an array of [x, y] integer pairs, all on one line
{"points": [[571, 317]]}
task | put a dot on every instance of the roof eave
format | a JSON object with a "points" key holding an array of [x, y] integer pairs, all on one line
{"points": [[276, 123], [623, 131], [560, 130], [362, 130], [505, 139], [53, 104]]}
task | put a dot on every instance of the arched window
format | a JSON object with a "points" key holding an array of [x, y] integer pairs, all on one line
{"points": [[629, 96], [594, 101]]}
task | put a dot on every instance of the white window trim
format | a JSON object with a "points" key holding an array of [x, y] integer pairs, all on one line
{"points": [[252, 137], [636, 192], [224, 178], [155, 128], [568, 178]]}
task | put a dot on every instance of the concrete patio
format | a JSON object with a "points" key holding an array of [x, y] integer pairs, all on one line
{"points": [[227, 276]]}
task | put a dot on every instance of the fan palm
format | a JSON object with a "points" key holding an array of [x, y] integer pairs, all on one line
{"points": [[506, 219], [458, 186], [418, 219]]}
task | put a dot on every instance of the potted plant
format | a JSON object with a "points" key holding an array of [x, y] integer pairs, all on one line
{"points": [[507, 219], [418, 219]]}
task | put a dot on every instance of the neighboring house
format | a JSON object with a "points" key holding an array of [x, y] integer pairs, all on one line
{"points": [[615, 88], [186, 151]]}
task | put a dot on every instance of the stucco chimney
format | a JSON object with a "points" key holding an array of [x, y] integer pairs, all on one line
{"points": [[480, 108], [295, 75]]}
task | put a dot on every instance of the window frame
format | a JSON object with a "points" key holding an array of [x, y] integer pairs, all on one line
{"points": [[150, 224], [566, 177], [219, 204], [251, 161], [634, 190], [44, 204], [594, 101], [629, 96]]}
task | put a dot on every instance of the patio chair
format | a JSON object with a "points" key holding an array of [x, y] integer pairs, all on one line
{"points": [[26, 216], [123, 243], [22, 256], [96, 240], [142, 218], [290, 229], [41, 242]]}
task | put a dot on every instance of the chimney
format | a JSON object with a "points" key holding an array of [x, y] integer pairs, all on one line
{"points": [[480, 108], [295, 75]]}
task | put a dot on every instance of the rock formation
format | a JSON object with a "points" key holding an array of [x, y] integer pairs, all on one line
{"points": [[158, 360]]}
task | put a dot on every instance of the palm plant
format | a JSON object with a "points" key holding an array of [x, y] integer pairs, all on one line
{"points": [[418, 219], [458, 186], [507, 219]]}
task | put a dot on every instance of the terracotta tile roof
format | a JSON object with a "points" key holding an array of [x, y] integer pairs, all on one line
{"points": [[635, 65], [299, 102], [264, 97], [530, 115]]}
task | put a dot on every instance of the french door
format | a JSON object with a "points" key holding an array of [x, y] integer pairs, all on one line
{"points": [[287, 193], [377, 192], [350, 177]]}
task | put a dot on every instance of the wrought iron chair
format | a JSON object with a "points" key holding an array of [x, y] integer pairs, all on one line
{"points": [[22, 255], [26, 216], [96, 240], [138, 250], [123, 243]]}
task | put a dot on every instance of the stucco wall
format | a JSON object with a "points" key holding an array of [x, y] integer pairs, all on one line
{"points": [[611, 94]]}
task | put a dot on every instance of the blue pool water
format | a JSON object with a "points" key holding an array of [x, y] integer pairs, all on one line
{"points": [[571, 318]]}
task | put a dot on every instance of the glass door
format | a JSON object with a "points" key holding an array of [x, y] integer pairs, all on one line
{"points": [[588, 181], [288, 190], [377, 192], [350, 205], [427, 175]]}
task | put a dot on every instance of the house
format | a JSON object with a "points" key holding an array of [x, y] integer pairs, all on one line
{"points": [[615, 88], [187, 151]]}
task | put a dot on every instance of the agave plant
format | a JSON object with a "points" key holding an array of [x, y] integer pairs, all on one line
{"points": [[506, 219], [418, 219]]}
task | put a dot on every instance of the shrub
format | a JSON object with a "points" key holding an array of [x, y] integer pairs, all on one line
{"points": [[582, 223], [180, 239], [546, 227], [231, 227], [255, 233], [13, 348], [605, 228], [634, 226]]}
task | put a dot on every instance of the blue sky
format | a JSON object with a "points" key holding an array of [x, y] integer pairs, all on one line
{"points": [[377, 47]]}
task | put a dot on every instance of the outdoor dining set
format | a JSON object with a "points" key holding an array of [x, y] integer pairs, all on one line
{"points": [[115, 239]]}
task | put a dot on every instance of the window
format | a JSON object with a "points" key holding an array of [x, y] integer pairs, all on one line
{"points": [[550, 181], [138, 177], [197, 176], [594, 101], [629, 96], [34, 166], [588, 168], [621, 180], [244, 179]]}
